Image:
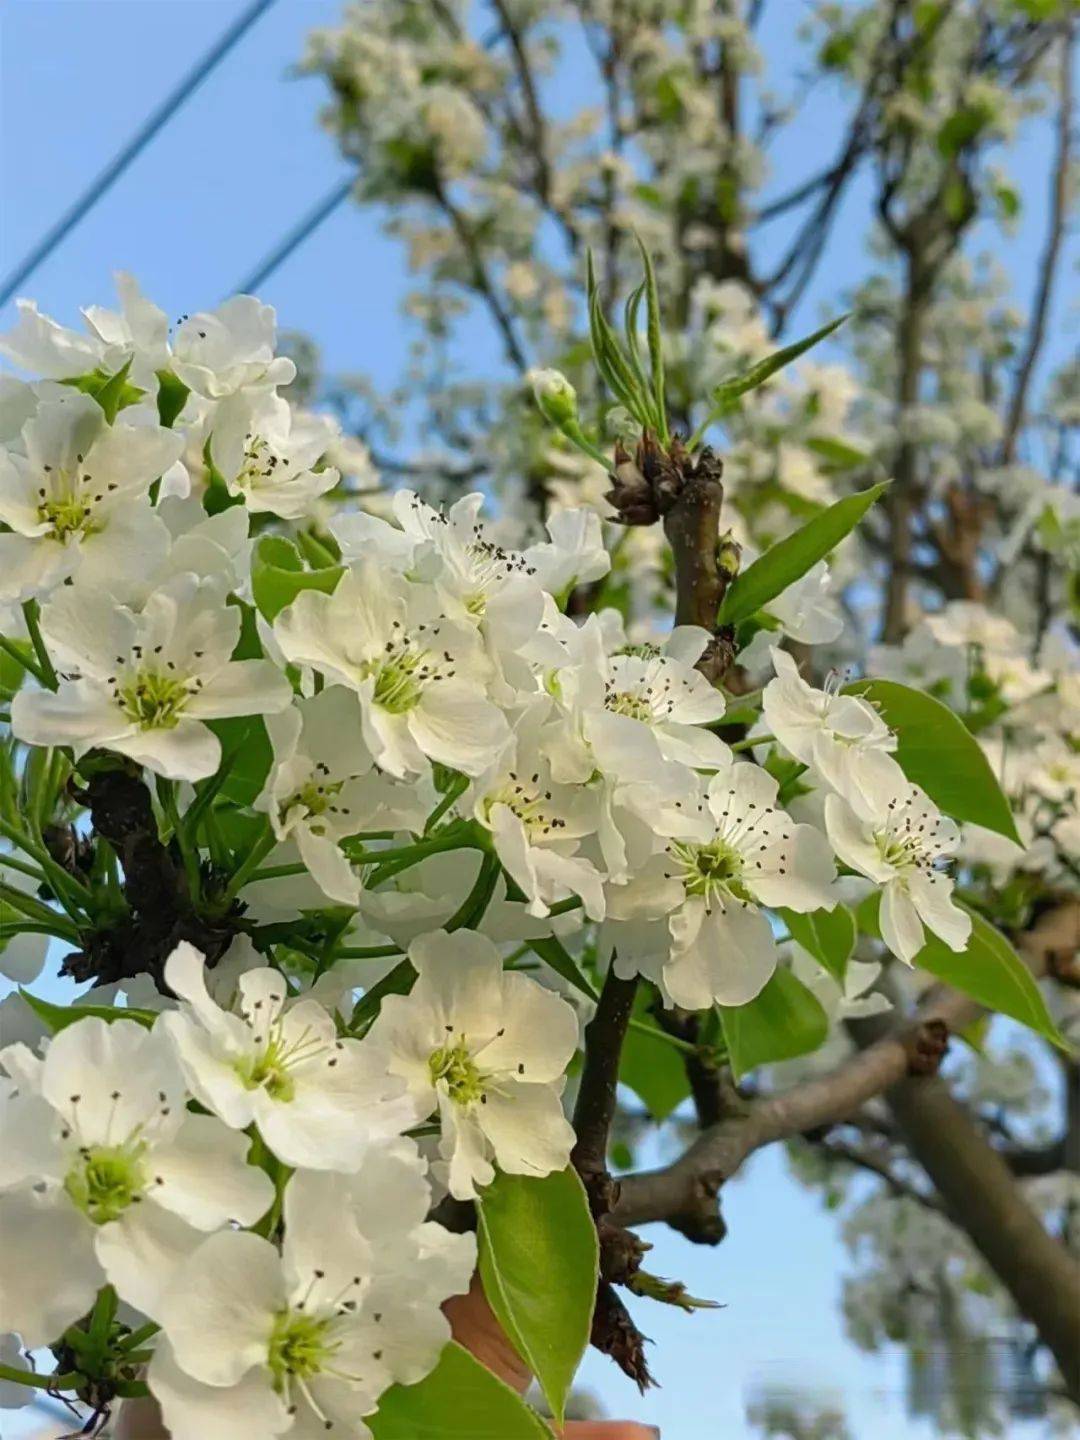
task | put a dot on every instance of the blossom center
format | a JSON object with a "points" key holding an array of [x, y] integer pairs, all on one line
{"points": [[106, 1179], [629, 703], [455, 1066], [66, 516], [154, 701], [299, 1348]]}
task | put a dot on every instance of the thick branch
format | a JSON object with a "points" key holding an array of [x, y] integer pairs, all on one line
{"points": [[684, 1193], [595, 1107], [984, 1199]]}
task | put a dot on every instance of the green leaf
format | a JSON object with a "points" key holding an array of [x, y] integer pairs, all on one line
{"points": [[278, 575], [783, 564], [785, 1020], [554, 953], [838, 454], [59, 1017], [652, 1068], [727, 394], [539, 1260], [656, 343], [171, 397], [460, 1400], [937, 751], [991, 972], [245, 737], [829, 936]]}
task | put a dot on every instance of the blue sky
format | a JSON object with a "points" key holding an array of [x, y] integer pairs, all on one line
{"points": [[216, 191]]}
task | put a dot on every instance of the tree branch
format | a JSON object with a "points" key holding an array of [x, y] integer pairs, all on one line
{"points": [[684, 1193], [1059, 201]]}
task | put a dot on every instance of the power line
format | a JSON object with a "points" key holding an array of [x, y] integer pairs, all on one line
{"points": [[296, 237], [134, 147]]}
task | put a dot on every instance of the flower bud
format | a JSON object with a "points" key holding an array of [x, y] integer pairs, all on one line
{"points": [[555, 396], [728, 555]]}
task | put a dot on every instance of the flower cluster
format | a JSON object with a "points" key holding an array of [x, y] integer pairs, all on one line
{"points": [[401, 793]]}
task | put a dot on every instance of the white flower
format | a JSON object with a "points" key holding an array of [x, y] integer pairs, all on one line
{"points": [[555, 396], [139, 333], [77, 499], [318, 1101], [899, 848], [313, 791], [487, 1049], [419, 675], [305, 1342], [1055, 770], [104, 1173], [840, 736], [719, 945], [853, 1000], [478, 582], [143, 683], [537, 825], [575, 553], [805, 609], [637, 715], [965, 622], [231, 351], [271, 465]]}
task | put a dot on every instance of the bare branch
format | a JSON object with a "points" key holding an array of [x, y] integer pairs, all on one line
{"points": [[1059, 201]]}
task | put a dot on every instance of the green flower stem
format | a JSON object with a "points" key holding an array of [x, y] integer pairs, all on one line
{"points": [[753, 741], [139, 1337], [471, 910], [47, 674], [71, 1380], [166, 793], [457, 788], [12, 650], [48, 920], [655, 1033], [58, 878], [276, 872], [256, 855], [23, 867], [368, 952]]}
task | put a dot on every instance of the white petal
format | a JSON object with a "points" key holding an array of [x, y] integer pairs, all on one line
{"points": [[203, 1176], [932, 897], [219, 1314], [528, 1129], [901, 928], [142, 1252], [49, 1275], [246, 1410]]}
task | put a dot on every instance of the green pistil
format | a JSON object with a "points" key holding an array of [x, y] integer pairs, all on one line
{"points": [[154, 701], [464, 1081], [107, 1179], [625, 702], [270, 1072], [398, 685], [711, 869], [299, 1348], [66, 517]]}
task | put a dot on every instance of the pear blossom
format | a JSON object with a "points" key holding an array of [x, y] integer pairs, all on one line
{"points": [[318, 1101], [420, 675], [536, 825], [479, 582], [854, 999], [900, 848], [805, 609], [229, 352], [716, 943], [136, 334], [98, 1151], [487, 1049], [76, 499], [271, 466], [638, 717], [314, 791], [966, 622], [305, 1342], [573, 555], [840, 736], [142, 683]]}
